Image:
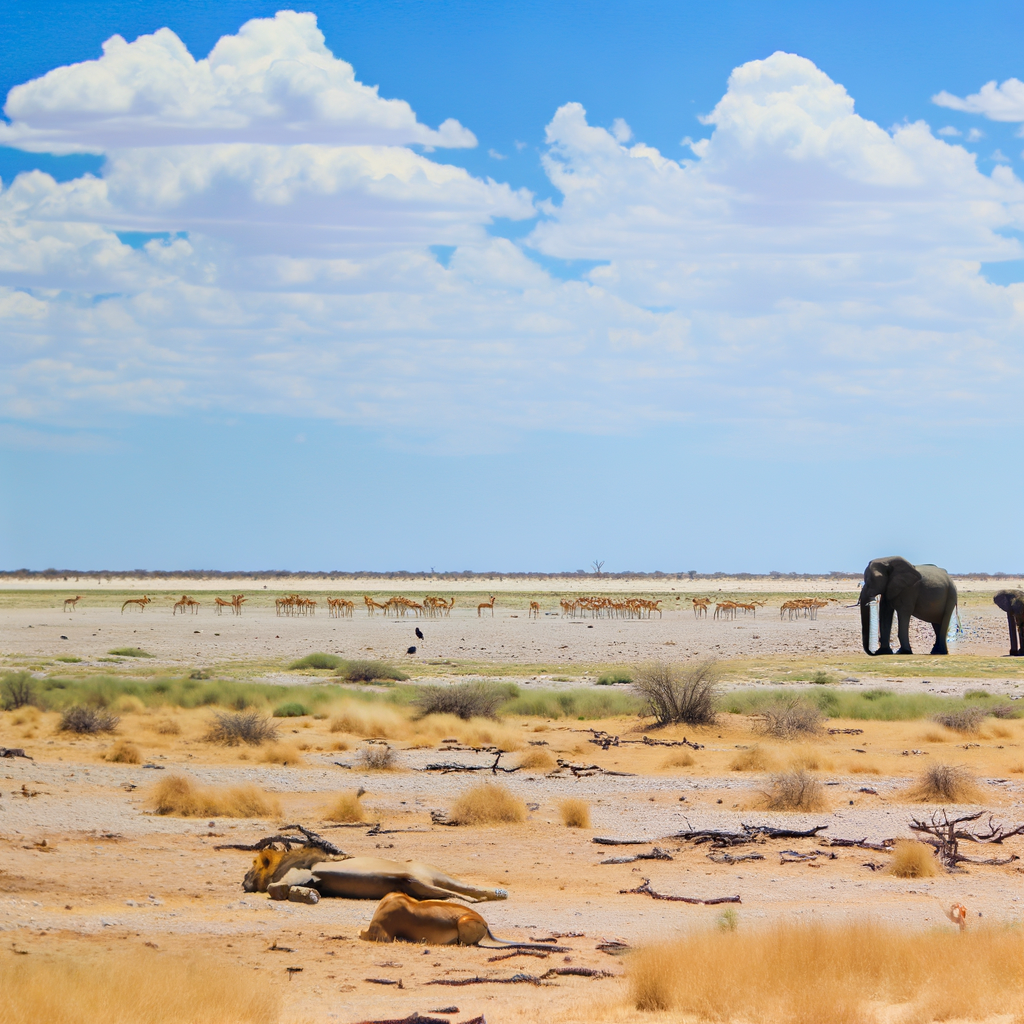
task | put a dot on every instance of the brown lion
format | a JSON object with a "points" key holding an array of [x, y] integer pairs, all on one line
{"points": [[358, 878]]}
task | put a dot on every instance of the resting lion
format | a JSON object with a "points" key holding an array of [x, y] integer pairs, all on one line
{"points": [[434, 921], [358, 878]]}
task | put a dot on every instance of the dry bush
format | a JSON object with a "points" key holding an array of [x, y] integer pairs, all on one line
{"points": [[793, 791], [129, 704], [938, 736], [679, 759], [675, 694], [811, 759], [911, 859], [786, 719], [29, 713], [234, 727], [347, 807], [946, 784], [180, 796], [538, 758], [864, 768], [464, 700], [754, 759], [846, 974], [377, 757], [370, 721], [86, 720], [17, 690], [166, 727], [114, 987], [488, 803], [966, 721], [283, 754], [125, 753], [575, 812]]}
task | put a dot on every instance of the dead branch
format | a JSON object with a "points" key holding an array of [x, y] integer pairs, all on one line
{"points": [[543, 954], [845, 732], [584, 771], [885, 846], [603, 739], [749, 834], [684, 742], [728, 858], [310, 838], [523, 978], [416, 1018], [945, 834], [794, 857], [14, 752], [645, 890], [656, 854]]}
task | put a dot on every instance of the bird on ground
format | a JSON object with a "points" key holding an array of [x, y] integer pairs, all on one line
{"points": [[412, 650], [419, 635]]}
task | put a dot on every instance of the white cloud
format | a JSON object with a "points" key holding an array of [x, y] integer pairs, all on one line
{"points": [[949, 130], [975, 135], [997, 102]]}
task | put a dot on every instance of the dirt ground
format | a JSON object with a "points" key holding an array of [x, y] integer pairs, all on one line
{"points": [[88, 866]]}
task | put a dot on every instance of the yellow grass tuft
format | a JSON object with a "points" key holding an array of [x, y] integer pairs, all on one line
{"points": [[807, 974], [864, 768], [575, 813], [125, 753], [754, 759], [946, 784], [180, 796], [488, 803], [811, 759], [679, 759], [347, 807], [281, 753], [537, 758], [938, 734], [912, 859], [166, 727], [129, 704], [370, 721], [793, 791], [114, 987]]}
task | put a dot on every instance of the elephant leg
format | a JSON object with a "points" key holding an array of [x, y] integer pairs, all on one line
{"points": [[942, 626], [1016, 635], [903, 631], [884, 628]]}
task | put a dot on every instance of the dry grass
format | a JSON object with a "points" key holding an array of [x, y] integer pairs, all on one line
{"points": [[754, 759], [347, 807], [115, 987], [125, 753], [575, 813], [673, 693], [166, 727], [488, 803], [966, 721], [537, 758], [788, 719], [464, 700], [843, 974], [234, 727], [377, 757], [283, 754], [946, 784], [793, 791], [180, 796], [85, 720], [811, 759], [679, 759], [911, 859], [864, 768]]}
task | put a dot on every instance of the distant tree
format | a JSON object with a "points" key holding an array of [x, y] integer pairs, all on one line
{"points": [[598, 566]]}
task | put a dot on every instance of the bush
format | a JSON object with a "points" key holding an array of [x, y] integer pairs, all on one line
{"points": [[80, 718], [465, 700], [125, 753], [615, 677], [233, 728], [347, 808], [794, 791], [788, 718], [963, 720], [538, 758], [167, 727], [131, 652], [679, 759], [488, 803], [180, 796], [291, 710], [912, 859], [575, 813], [946, 783], [368, 671], [377, 757], [754, 759], [16, 690], [318, 660], [281, 753], [823, 678], [673, 695]]}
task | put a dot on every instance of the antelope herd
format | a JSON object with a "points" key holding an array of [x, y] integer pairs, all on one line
{"points": [[806, 606], [605, 607]]}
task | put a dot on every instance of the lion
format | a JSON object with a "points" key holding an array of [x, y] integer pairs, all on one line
{"points": [[436, 922], [358, 878]]}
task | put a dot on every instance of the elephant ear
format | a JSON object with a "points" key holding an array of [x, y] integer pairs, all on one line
{"points": [[903, 575]]}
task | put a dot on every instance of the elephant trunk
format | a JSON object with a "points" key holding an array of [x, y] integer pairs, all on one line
{"points": [[865, 626]]}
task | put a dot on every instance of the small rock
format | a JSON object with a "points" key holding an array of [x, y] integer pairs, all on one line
{"points": [[301, 894], [278, 890]]}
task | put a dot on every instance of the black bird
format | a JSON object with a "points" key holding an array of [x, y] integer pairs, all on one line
{"points": [[412, 650], [419, 635]]}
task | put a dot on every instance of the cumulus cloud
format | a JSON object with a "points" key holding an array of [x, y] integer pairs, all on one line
{"points": [[996, 102]]}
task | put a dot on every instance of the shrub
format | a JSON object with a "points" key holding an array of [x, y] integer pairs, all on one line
{"points": [[788, 718], [679, 759], [16, 690], [291, 710], [963, 720], [794, 791], [912, 859], [728, 920], [1003, 711], [125, 753], [318, 660], [347, 807], [580, 702], [82, 719], [131, 652], [946, 783], [823, 678], [538, 758], [167, 727], [377, 757], [674, 695], [368, 671], [233, 728], [281, 753], [575, 813], [754, 759], [615, 677], [465, 700], [488, 803], [180, 796]]}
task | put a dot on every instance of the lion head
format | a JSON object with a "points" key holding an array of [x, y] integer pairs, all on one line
{"points": [[271, 864]]}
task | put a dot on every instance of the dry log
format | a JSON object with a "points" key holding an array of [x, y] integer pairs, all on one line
{"points": [[543, 954], [310, 838], [583, 771], [684, 742], [384, 981], [645, 890], [945, 834], [529, 979], [14, 752], [418, 1019], [454, 766], [885, 846], [845, 732], [728, 858], [656, 854]]}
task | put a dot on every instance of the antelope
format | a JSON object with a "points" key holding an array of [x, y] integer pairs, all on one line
{"points": [[534, 609], [140, 601], [222, 604], [700, 606], [957, 913], [236, 602], [71, 601], [182, 604], [371, 605], [485, 604]]}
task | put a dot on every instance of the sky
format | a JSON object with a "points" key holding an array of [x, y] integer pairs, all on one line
{"points": [[464, 285]]}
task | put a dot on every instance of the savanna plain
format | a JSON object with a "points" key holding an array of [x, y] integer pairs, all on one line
{"points": [[142, 739]]}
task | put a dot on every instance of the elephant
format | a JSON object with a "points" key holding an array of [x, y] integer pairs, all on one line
{"points": [[922, 591], [1012, 602]]}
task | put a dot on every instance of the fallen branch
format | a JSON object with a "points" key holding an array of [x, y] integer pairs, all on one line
{"points": [[945, 834], [845, 732], [310, 838], [543, 954], [14, 752], [584, 771], [418, 1019], [384, 981], [684, 742], [528, 979], [795, 857], [728, 858], [444, 767], [645, 890], [885, 846], [656, 854]]}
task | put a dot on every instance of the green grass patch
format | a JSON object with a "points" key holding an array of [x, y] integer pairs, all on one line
{"points": [[615, 677], [69, 659], [368, 671], [318, 660], [580, 703], [293, 709], [131, 652]]}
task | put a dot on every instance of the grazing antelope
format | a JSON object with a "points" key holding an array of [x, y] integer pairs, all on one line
{"points": [[700, 606], [181, 605], [237, 601], [222, 604], [140, 601], [372, 605], [71, 601], [485, 604], [534, 610], [957, 913]]}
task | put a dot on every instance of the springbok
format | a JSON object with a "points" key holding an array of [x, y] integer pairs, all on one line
{"points": [[71, 601], [534, 609], [140, 601], [485, 604]]}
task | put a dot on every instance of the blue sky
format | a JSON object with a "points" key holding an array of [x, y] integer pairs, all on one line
{"points": [[677, 286]]}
